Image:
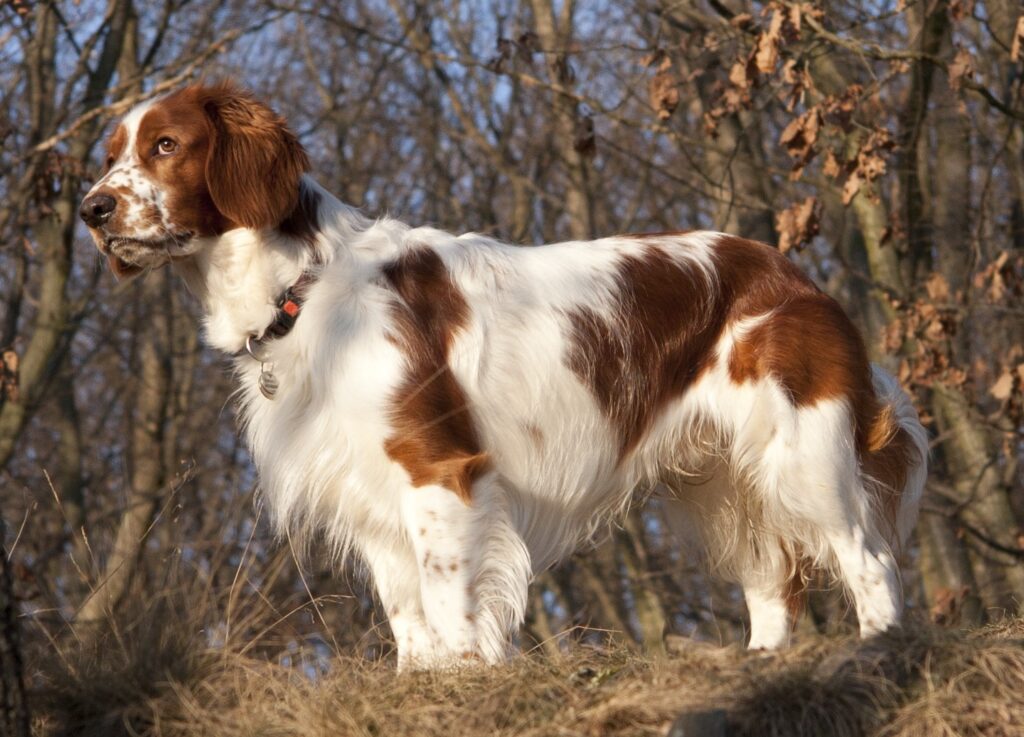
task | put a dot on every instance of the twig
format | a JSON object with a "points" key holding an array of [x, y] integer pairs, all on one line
{"points": [[24, 521]]}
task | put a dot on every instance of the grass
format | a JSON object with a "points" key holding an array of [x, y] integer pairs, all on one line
{"points": [[153, 672]]}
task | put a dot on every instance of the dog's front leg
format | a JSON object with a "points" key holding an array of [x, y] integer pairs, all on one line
{"points": [[396, 578], [446, 536]]}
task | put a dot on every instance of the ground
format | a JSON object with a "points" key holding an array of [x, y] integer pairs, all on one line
{"points": [[922, 681]]}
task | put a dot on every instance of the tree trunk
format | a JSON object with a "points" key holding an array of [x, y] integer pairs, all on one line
{"points": [[983, 500], [152, 401], [555, 34]]}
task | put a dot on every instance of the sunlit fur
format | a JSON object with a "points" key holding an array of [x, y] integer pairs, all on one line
{"points": [[756, 481]]}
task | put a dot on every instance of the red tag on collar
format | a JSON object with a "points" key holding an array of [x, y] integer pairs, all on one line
{"points": [[290, 308]]}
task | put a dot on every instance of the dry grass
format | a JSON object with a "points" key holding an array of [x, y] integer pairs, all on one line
{"points": [[155, 674]]}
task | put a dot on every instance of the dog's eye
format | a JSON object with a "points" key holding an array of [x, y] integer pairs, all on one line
{"points": [[166, 146]]}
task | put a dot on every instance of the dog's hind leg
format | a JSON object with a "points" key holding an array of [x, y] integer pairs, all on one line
{"points": [[708, 515], [810, 472]]}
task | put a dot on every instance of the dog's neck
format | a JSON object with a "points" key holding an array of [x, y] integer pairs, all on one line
{"points": [[240, 275]]}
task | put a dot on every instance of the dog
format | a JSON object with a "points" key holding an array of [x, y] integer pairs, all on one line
{"points": [[462, 413]]}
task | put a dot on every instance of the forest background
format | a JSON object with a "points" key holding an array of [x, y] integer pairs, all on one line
{"points": [[879, 144]]}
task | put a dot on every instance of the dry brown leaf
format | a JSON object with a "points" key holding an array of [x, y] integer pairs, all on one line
{"points": [[1018, 39], [649, 59], [838, 109], [1003, 387], [960, 9], [767, 54], [799, 78], [945, 610], [831, 166], [741, 20], [852, 187], [738, 75], [937, 287], [9, 374], [801, 134], [663, 89], [871, 166], [961, 68], [798, 224]]}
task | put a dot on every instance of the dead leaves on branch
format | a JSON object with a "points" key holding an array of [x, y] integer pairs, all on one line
{"points": [[1002, 280], [750, 71], [857, 158], [1008, 388], [832, 116], [584, 140], [923, 334], [868, 165], [924, 331], [1001, 283], [798, 224], [799, 137], [783, 28], [663, 87]]}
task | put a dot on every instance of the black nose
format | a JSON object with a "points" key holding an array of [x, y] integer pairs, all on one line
{"points": [[97, 209]]}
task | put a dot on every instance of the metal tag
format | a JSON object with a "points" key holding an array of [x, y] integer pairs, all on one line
{"points": [[268, 383]]}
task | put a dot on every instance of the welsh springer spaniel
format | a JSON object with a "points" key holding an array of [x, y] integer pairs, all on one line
{"points": [[463, 413]]}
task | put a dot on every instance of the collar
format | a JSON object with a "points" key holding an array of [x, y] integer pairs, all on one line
{"points": [[289, 307]]}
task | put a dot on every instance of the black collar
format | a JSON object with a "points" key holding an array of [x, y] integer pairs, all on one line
{"points": [[289, 307]]}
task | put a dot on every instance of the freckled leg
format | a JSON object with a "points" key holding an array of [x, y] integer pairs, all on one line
{"points": [[445, 535], [396, 578]]}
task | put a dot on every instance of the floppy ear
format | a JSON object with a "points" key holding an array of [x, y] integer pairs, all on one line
{"points": [[255, 161]]}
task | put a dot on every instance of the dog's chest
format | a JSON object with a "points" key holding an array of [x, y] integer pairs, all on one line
{"points": [[318, 445]]}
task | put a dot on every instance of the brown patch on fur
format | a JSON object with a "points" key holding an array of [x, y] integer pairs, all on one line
{"points": [[434, 437], [669, 320], [660, 343]]}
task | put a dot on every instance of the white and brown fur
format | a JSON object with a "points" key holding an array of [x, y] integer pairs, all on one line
{"points": [[462, 413]]}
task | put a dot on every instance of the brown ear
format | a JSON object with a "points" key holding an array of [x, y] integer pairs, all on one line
{"points": [[255, 162]]}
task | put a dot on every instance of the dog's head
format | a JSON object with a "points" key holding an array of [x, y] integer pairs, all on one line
{"points": [[192, 164]]}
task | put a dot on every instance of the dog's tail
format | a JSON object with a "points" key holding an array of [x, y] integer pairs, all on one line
{"points": [[894, 459]]}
